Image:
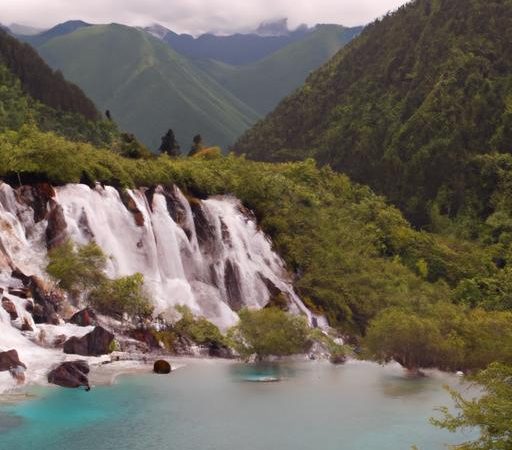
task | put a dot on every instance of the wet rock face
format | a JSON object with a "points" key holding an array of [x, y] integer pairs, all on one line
{"points": [[56, 230], [96, 343], [131, 206], [10, 308], [204, 229], [84, 318], [71, 374], [232, 283], [162, 367], [10, 360], [37, 197], [46, 302], [216, 350]]}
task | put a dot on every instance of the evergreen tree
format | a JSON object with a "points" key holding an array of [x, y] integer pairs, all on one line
{"points": [[169, 144], [197, 145]]}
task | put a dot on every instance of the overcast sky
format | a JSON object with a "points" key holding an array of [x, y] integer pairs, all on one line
{"points": [[195, 16]]}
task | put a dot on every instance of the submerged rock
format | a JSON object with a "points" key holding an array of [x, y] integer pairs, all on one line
{"points": [[71, 374], [162, 367], [96, 343]]}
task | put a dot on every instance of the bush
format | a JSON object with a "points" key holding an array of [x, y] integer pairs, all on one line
{"points": [[199, 330], [77, 270], [268, 332], [122, 296]]}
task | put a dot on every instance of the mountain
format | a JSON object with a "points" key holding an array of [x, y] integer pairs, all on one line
{"points": [[26, 30], [147, 86], [40, 81], [58, 30], [235, 49], [406, 106], [262, 84]]}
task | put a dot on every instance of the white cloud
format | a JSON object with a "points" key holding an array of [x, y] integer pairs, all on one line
{"points": [[195, 16]]}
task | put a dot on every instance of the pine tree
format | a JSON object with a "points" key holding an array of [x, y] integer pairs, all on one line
{"points": [[169, 144]]}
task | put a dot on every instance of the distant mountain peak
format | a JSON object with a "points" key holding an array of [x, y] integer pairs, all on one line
{"points": [[274, 28], [26, 30], [157, 30]]}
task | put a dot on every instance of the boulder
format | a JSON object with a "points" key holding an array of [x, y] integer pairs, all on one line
{"points": [[96, 343], [84, 318], [10, 307], [145, 336], [71, 374], [162, 367], [216, 350], [10, 360]]}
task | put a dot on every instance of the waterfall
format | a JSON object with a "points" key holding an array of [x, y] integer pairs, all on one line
{"points": [[207, 254]]}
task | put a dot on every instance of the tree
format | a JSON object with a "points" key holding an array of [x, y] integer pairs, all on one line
{"points": [[197, 145], [491, 413], [124, 295], [169, 144], [77, 270], [268, 332]]}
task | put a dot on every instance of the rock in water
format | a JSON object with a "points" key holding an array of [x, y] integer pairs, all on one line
{"points": [[96, 343], [10, 360], [84, 318], [71, 374], [9, 306], [162, 367]]}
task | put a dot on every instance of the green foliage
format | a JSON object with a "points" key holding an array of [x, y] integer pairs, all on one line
{"points": [[122, 296], [440, 335], [405, 106], [146, 85], [198, 329], [263, 83], [268, 332], [353, 254], [76, 269], [491, 413]]}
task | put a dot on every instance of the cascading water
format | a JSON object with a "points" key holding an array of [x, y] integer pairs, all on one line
{"points": [[208, 255]]}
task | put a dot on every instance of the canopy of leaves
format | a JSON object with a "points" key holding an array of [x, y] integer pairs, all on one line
{"points": [[441, 335], [121, 296], [352, 253], [406, 105], [269, 331], [76, 269], [491, 413]]}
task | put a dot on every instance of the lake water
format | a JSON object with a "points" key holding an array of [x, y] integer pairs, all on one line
{"points": [[210, 405]]}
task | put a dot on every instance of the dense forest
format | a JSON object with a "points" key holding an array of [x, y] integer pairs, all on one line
{"points": [[408, 108], [42, 83], [354, 257]]}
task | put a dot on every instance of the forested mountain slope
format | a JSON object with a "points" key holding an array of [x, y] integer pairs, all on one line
{"points": [[406, 106], [262, 84], [147, 86]]}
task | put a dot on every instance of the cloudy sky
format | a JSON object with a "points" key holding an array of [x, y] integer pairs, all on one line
{"points": [[195, 16]]}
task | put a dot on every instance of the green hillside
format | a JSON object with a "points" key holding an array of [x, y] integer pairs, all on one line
{"points": [[147, 86], [406, 106], [262, 84], [30, 91]]}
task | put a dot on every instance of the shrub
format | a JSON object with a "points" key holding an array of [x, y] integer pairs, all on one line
{"points": [[199, 330], [122, 296], [77, 269], [269, 331]]}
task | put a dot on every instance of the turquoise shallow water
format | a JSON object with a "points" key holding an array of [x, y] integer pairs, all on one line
{"points": [[211, 406]]}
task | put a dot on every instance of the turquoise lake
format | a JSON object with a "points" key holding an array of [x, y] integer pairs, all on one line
{"points": [[210, 405]]}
